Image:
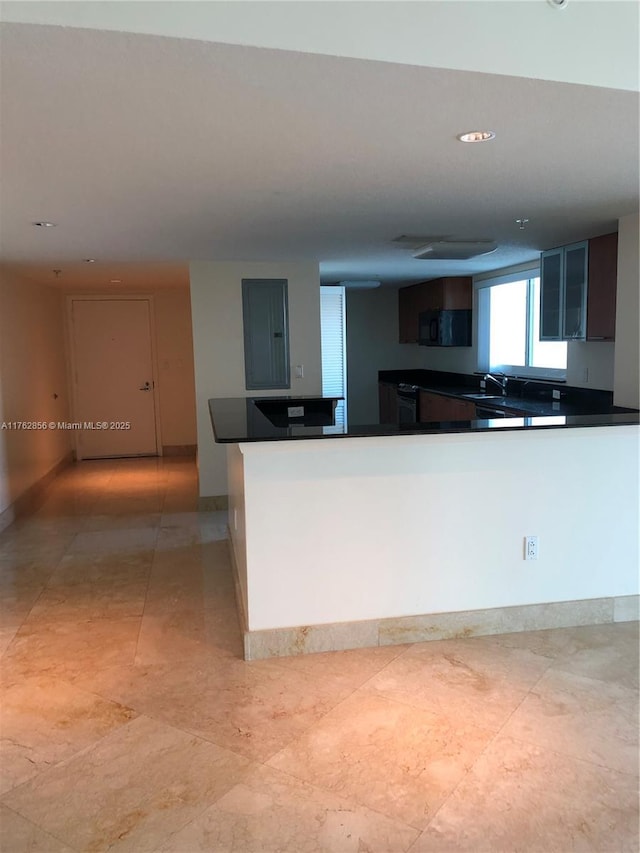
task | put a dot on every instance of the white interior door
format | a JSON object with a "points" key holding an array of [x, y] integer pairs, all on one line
{"points": [[113, 376]]}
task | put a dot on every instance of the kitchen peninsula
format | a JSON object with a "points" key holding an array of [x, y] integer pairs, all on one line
{"points": [[386, 534]]}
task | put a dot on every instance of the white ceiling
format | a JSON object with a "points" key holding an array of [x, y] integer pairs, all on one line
{"points": [[154, 150]]}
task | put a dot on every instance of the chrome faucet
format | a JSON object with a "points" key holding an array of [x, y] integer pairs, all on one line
{"points": [[501, 383]]}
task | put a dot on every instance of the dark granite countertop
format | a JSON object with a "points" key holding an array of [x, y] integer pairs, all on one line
{"points": [[523, 406], [524, 397], [238, 419]]}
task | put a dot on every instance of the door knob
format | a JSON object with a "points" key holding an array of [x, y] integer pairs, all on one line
{"points": [[146, 386]]}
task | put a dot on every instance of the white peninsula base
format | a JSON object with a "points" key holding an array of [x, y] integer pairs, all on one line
{"points": [[342, 543]]}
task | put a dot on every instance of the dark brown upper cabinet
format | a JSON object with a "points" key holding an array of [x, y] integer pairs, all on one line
{"points": [[439, 294], [601, 291]]}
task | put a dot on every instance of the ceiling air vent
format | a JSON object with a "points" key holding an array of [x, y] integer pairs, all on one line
{"points": [[417, 241], [454, 250]]}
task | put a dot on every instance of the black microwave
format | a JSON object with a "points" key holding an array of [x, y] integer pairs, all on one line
{"points": [[445, 328]]}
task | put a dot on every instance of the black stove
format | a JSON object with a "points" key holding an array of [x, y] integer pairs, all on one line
{"points": [[407, 397], [404, 388]]}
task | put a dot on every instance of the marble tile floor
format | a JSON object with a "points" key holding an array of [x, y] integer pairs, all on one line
{"points": [[130, 722]]}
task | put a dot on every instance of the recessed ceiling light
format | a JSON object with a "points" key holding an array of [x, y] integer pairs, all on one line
{"points": [[89, 260], [44, 224], [476, 136]]}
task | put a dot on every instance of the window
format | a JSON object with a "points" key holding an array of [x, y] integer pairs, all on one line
{"points": [[332, 336], [509, 328]]}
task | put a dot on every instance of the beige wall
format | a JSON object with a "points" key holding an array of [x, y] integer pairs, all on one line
{"points": [[626, 390], [372, 345], [32, 370], [216, 300], [450, 359], [175, 366]]}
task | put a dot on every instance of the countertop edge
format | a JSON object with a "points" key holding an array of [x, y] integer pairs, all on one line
{"points": [[231, 434]]}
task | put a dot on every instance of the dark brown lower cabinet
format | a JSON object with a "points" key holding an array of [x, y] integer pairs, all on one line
{"points": [[436, 407], [388, 403]]}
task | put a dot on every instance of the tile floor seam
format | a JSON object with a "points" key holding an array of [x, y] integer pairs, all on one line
{"points": [[478, 757], [576, 758], [350, 800], [304, 731], [562, 671], [524, 741], [18, 629], [58, 564], [527, 693], [191, 732], [41, 829], [53, 765], [578, 675], [144, 608], [274, 661], [350, 806], [171, 834], [392, 700], [92, 746], [571, 756], [468, 772], [285, 669], [416, 707]]}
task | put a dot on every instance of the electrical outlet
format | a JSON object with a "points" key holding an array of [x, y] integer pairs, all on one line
{"points": [[531, 547], [555, 394], [300, 371]]}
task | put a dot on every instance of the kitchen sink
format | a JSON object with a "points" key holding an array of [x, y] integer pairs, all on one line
{"points": [[482, 397]]}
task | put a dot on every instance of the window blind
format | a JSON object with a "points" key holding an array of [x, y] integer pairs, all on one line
{"points": [[332, 336]]}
